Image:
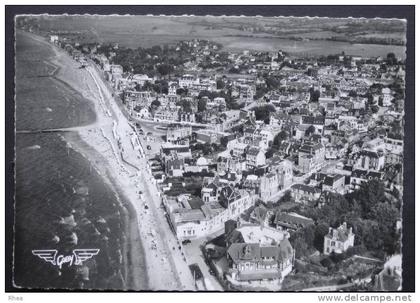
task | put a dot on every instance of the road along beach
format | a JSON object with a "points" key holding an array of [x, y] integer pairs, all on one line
{"points": [[107, 145]]}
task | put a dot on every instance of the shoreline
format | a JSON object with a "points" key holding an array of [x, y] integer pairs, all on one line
{"points": [[132, 258], [136, 277], [166, 268]]}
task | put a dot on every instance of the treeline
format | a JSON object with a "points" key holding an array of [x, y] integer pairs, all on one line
{"points": [[370, 211]]}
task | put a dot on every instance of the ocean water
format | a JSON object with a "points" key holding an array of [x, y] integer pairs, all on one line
{"points": [[61, 202]]}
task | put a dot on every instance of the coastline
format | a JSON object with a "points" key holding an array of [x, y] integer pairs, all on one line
{"points": [[135, 274], [164, 267], [134, 261]]}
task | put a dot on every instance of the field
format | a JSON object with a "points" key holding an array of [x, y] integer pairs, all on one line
{"points": [[236, 34]]}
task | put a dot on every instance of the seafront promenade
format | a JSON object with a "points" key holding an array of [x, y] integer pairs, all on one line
{"points": [[126, 167], [167, 268]]}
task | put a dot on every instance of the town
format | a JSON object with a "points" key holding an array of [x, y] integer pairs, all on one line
{"points": [[276, 172]]}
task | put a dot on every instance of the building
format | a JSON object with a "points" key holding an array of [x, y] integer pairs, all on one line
{"points": [[177, 134], [278, 178], [338, 240], [174, 166], [311, 157], [390, 278], [188, 81], [258, 254], [359, 176], [255, 157], [53, 38], [194, 217], [303, 193], [332, 182], [291, 221], [133, 99], [368, 160]]}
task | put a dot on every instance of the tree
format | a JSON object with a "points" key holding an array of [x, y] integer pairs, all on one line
{"points": [[220, 84], [386, 215], [269, 153], [368, 195], [182, 91], [224, 141], [272, 83], [314, 95], [201, 106], [301, 248], [321, 230], [280, 137], [309, 131], [155, 103], [262, 113], [165, 69], [370, 235], [185, 105], [287, 197], [391, 59], [353, 93]]}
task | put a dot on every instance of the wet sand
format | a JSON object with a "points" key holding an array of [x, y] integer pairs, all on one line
{"points": [[68, 73]]}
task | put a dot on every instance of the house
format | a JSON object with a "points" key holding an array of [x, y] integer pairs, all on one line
{"points": [[332, 182], [368, 160], [317, 122], [387, 96], [168, 149], [237, 148], [390, 278], [278, 178], [166, 114], [174, 166], [302, 193], [140, 79], [255, 157], [188, 81], [394, 145], [178, 134], [338, 240], [259, 254], [359, 176], [311, 157], [291, 221], [192, 218], [278, 119], [116, 69], [334, 151], [53, 38], [185, 116]]}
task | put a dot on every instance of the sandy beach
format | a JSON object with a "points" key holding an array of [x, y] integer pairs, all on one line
{"points": [[107, 145]]}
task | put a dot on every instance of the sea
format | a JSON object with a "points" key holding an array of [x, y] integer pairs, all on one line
{"points": [[61, 202]]}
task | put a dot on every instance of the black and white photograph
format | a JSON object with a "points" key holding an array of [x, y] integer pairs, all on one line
{"points": [[210, 152]]}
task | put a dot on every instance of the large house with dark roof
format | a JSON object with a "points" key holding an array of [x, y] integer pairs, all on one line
{"points": [[258, 253]]}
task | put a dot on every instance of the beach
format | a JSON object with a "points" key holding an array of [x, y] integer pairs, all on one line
{"points": [[106, 144]]}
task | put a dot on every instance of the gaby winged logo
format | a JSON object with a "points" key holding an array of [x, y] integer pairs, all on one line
{"points": [[77, 258]]}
